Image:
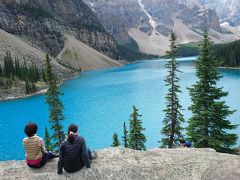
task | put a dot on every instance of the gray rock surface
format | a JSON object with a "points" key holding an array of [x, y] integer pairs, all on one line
{"points": [[117, 16], [117, 163], [227, 10]]}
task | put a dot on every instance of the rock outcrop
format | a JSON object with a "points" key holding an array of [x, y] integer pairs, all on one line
{"points": [[117, 163]]}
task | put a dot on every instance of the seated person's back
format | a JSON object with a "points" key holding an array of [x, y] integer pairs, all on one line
{"points": [[73, 152], [34, 147], [36, 154]]}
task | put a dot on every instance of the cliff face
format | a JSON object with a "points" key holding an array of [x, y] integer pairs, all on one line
{"points": [[134, 13], [118, 16], [227, 10], [149, 22], [117, 163], [44, 22]]}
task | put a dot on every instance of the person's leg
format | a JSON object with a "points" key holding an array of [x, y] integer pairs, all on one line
{"points": [[90, 154], [31, 166], [44, 160], [47, 156], [52, 155]]}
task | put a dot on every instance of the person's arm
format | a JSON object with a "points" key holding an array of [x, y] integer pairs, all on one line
{"points": [[41, 144], [60, 161], [84, 155]]}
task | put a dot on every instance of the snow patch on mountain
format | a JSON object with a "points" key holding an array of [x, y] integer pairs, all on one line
{"points": [[151, 21]]}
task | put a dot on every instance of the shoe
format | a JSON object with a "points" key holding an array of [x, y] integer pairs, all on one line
{"points": [[56, 154], [94, 155]]}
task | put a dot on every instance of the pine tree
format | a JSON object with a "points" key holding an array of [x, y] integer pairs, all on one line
{"points": [[44, 78], [125, 135], [55, 105], [9, 70], [30, 87], [173, 116], [17, 68], [27, 87], [47, 140], [1, 81], [208, 126], [1, 71], [116, 142], [136, 137]]}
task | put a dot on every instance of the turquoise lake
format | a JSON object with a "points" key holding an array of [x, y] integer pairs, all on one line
{"points": [[100, 101]]}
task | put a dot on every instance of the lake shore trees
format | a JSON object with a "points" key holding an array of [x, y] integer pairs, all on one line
{"points": [[136, 138], [55, 105], [14, 70], [209, 125], [173, 117]]}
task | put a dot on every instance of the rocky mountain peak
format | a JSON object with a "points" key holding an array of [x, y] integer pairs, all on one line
{"points": [[228, 11], [148, 22]]}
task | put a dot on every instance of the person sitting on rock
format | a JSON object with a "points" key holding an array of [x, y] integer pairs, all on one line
{"points": [[184, 143], [36, 154], [74, 154], [188, 144]]}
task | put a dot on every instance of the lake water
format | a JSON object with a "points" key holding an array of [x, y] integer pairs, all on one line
{"points": [[100, 101]]}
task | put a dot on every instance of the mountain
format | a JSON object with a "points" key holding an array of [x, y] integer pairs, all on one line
{"points": [[68, 30], [23, 50], [228, 11], [148, 22], [44, 23]]}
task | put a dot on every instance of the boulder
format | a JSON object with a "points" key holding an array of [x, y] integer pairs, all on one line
{"points": [[120, 163]]}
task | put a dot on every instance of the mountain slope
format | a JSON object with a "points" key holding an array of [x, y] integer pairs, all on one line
{"points": [[44, 23], [79, 55], [149, 22], [23, 50], [74, 55]]}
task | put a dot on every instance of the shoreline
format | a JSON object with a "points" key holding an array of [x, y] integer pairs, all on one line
{"points": [[226, 67], [42, 91]]}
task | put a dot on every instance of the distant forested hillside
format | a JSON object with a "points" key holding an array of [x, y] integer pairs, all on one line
{"points": [[228, 53], [190, 49]]}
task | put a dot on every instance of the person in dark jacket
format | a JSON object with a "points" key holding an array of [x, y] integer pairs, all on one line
{"points": [[74, 154]]}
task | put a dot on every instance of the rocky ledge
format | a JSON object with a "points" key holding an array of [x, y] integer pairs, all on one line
{"points": [[118, 163]]}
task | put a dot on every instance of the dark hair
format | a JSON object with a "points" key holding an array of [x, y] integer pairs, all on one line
{"points": [[182, 141], [31, 129], [73, 128]]}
